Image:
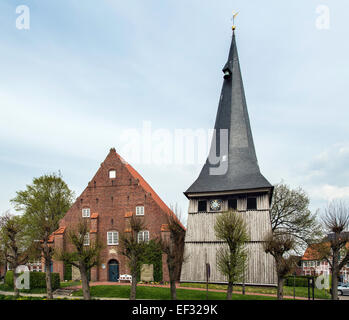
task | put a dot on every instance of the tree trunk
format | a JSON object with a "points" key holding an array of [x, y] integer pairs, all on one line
{"points": [[85, 283], [334, 286], [48, 278], [173, 289], [133, 286], [172, 275], [5, 271], [15, 289], [230, 291], [280, 289]]}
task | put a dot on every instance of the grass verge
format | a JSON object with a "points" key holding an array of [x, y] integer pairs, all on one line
{"points": [[156, 293], [288, 291]]}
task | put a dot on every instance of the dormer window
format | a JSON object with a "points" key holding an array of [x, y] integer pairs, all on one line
{"points": [[112, 174], [227, 74], [86, 212]]}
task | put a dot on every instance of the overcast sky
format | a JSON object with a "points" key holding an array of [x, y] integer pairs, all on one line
{"points": [[86, 71]]}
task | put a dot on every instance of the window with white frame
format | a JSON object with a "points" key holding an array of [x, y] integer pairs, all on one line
{"points": [[139, 211], [112, 238], [143, 236], [112, 174], [86, 212], [87, 239]]}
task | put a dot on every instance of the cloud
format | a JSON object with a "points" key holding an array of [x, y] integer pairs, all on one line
{"points": [[330, 192]]}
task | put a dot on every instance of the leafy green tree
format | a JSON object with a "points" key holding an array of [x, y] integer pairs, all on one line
{"points": [[43, 204], [290, 215], [85, 255], [231, 258], [134, 250]]}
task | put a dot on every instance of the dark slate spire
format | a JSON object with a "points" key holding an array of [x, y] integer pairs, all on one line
{"points": [[238, 164]]}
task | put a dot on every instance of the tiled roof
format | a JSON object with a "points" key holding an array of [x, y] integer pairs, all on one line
{"points": [[148, 189], [313, 251]]}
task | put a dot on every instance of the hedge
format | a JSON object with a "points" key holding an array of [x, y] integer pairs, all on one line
{"points": [[67, 272], [37, 280], [153, 255], [300, 281]]}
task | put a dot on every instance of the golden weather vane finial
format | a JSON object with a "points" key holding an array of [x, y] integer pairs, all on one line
{"points": [[234, 16]]}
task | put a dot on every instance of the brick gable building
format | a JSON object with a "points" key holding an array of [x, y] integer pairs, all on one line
{"points": [[115, 193], [314, 264]]}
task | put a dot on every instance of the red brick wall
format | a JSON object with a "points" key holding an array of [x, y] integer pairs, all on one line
{"points": [[111, 199]]}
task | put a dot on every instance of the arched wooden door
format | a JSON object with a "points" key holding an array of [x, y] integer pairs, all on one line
{"points": [[113, 270]]}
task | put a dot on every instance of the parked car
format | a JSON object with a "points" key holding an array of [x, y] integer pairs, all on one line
{"points": [[343, 289]]}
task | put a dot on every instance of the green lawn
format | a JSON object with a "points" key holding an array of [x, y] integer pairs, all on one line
{"points": [[5, 287], [65, 284], [288, 291], [156, 293]]}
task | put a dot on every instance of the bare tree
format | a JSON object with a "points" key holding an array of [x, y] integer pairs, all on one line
{"points": [[13, 237], [231, 258], [172, 244], [84, 257], [133, 250], [290, 214], [279, 246], [334, 247]]}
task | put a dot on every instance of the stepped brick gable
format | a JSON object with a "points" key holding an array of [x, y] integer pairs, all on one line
{"points": [[115, 193]]}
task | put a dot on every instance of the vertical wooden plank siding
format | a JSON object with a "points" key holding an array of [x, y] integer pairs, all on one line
{"points": [[201, 244]]}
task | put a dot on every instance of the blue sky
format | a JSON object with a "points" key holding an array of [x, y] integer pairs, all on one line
{"points": [[86, 71]]}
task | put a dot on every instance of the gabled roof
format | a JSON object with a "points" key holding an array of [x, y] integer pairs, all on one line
{"points": [[238, 158], [313, 252], [147, 188]]}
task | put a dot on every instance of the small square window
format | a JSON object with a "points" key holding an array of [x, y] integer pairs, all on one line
{"points": [[251, 203], [112, 174], [232, 204], [202, 206], [86, 212], [140, 211], [87, 239]]}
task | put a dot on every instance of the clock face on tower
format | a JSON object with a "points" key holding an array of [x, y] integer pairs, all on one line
{"points": [[215, 205]]}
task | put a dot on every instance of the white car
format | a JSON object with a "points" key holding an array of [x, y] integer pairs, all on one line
{"points": [[343, 289]]}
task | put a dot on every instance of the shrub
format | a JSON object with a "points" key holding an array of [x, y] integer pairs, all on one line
{"points": [[153, 255], [37, 280], [300, 281]]}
